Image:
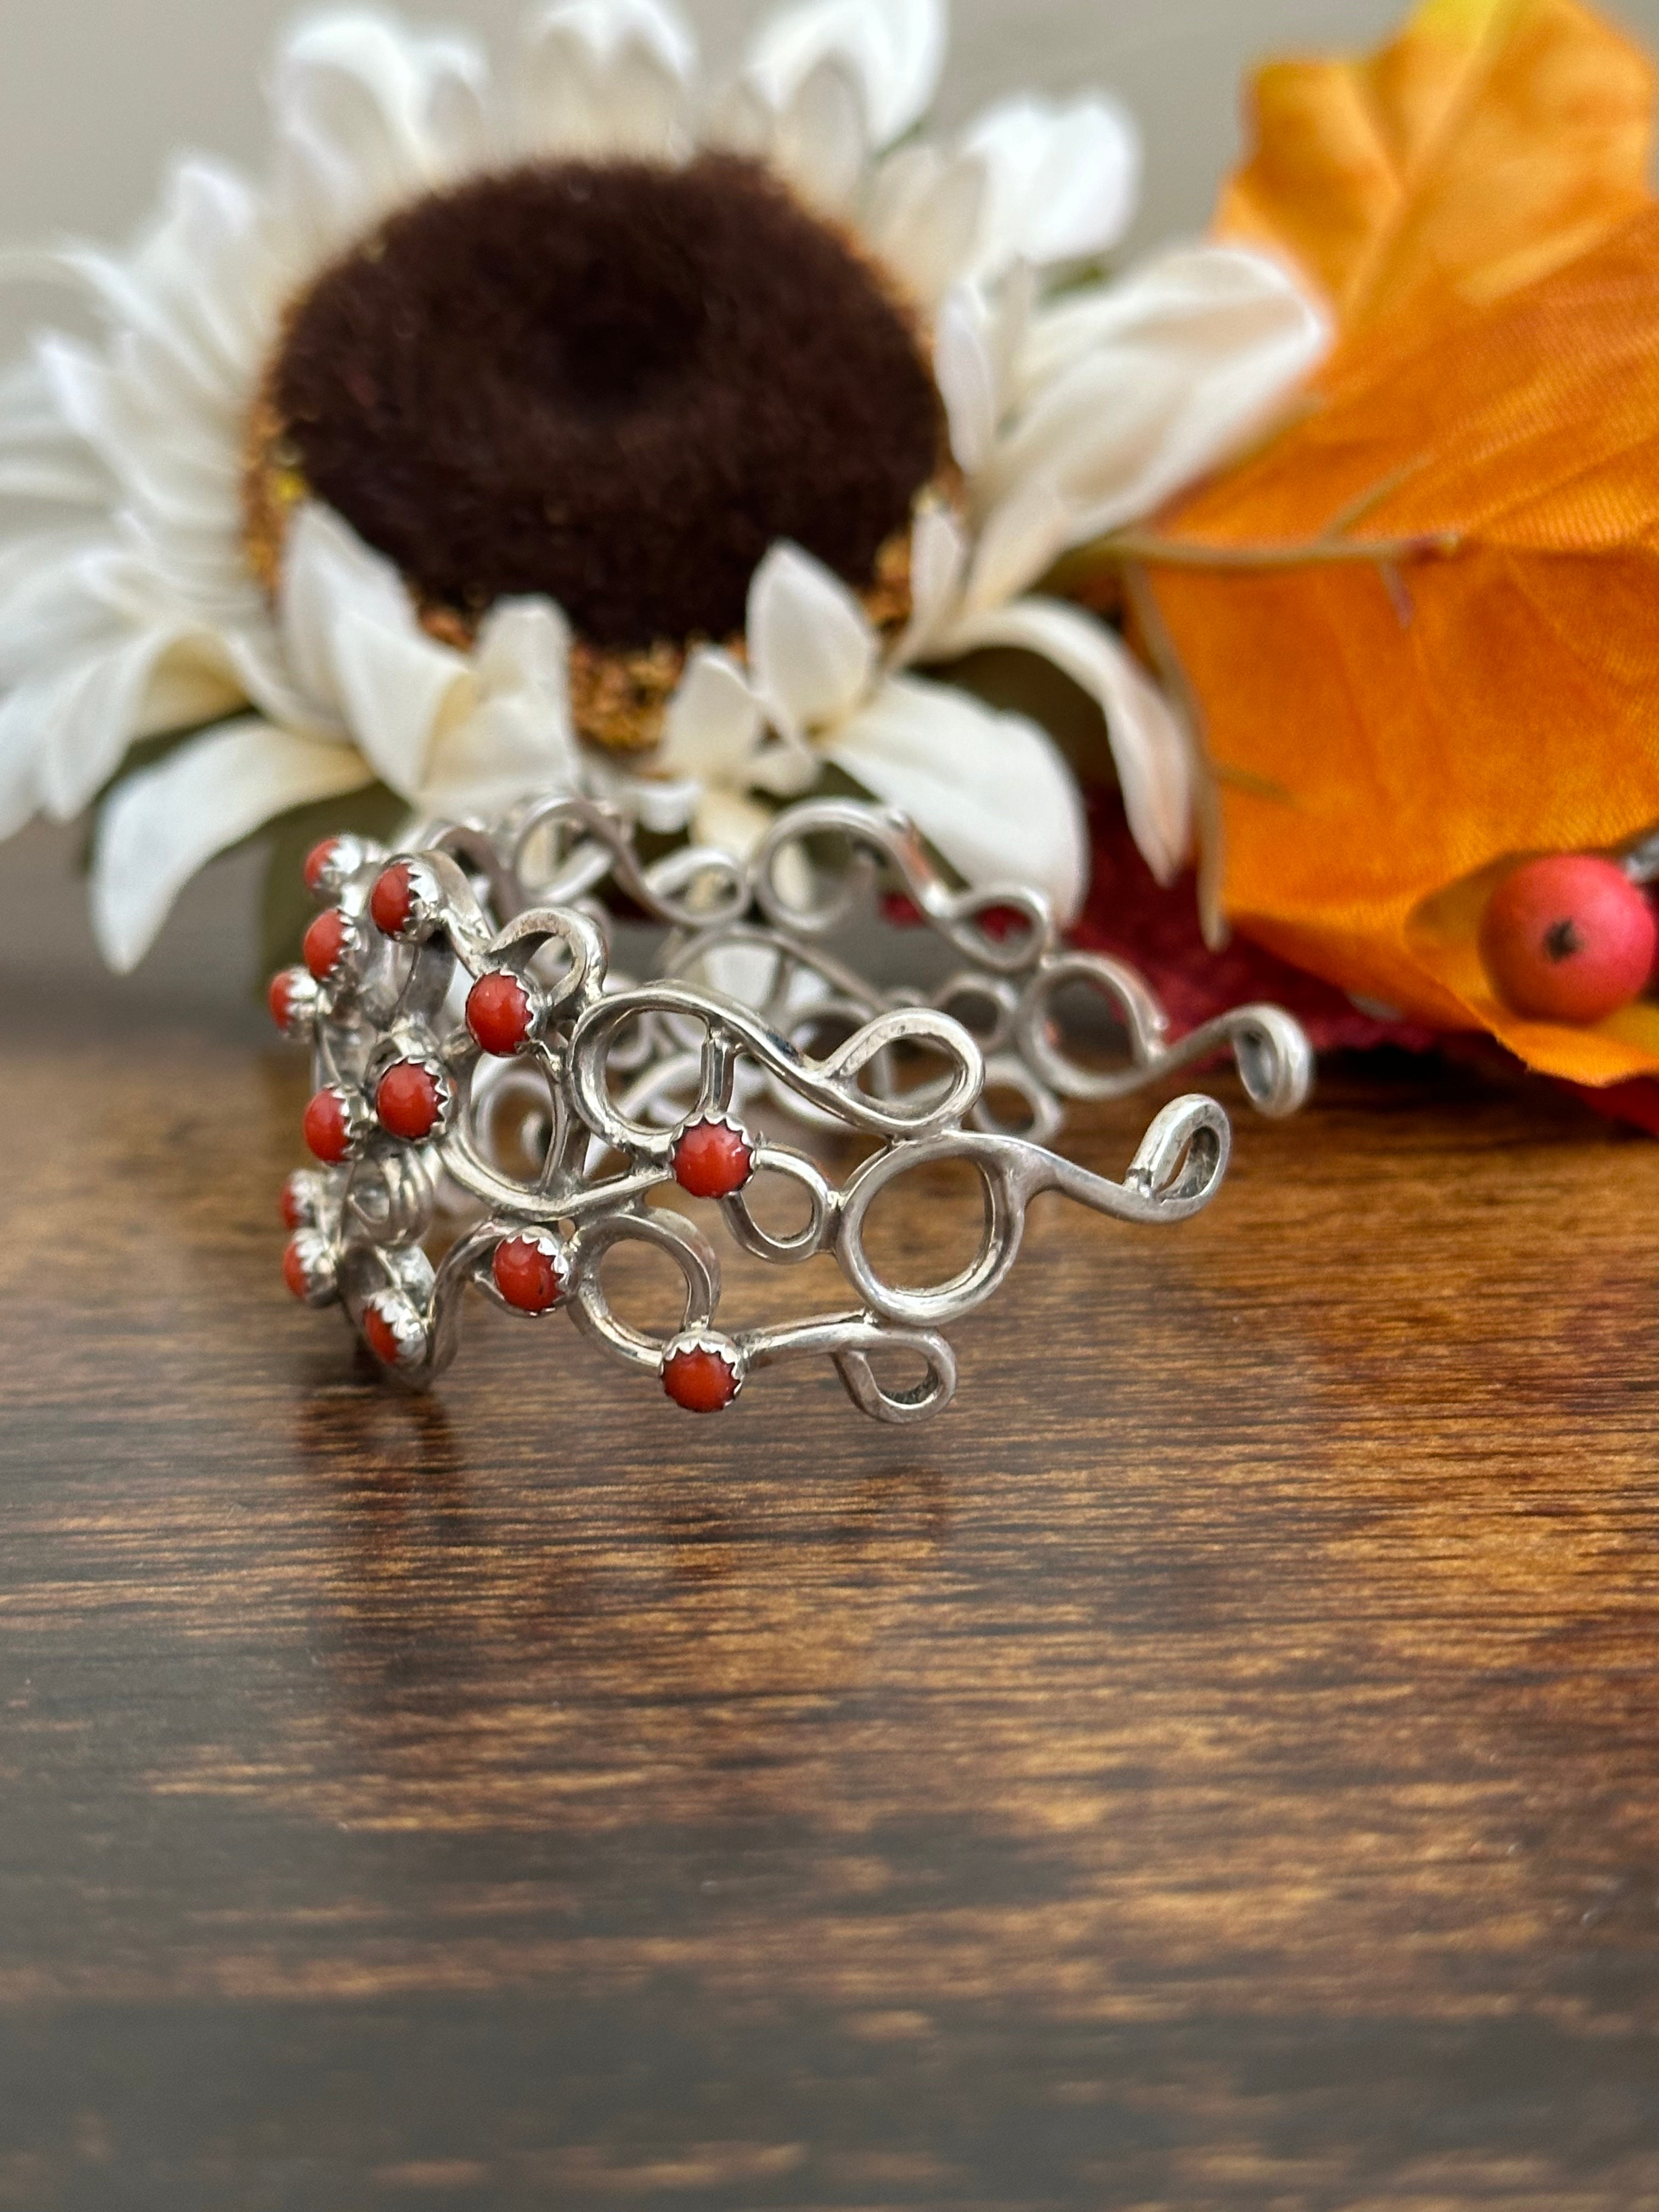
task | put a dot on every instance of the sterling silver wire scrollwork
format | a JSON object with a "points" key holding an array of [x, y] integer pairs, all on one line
{"points": [[496, 1108]]}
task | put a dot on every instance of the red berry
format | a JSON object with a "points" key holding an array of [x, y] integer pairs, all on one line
{"points": [[499, 1014], [701, 1382], [409, 1100], [317, 861], [280, 998], [382, 1337], [294, 1272], [712, 1159], [326, 943], [392, 901], [1568, 938], [327, 1128], [526, 1276]]}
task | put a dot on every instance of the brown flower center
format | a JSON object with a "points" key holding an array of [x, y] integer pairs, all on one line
{"points": [[618, 385]]}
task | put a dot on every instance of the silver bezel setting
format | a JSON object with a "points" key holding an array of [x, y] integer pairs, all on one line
{"points": [[429, 1065], [409, 1329], [424, 899], [552, 1249], [535, 999], [746, 1137], [318, 1263], [711, 1344]]}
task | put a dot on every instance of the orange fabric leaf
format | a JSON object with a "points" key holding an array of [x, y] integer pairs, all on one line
{"points": [[1481, 683], [1492, 141]]}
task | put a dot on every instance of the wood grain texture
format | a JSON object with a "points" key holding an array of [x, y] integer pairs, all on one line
{"points": [[1216, 1765]]}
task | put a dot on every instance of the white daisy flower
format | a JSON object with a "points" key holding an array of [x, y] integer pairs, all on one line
{"points": [[573, 431]]}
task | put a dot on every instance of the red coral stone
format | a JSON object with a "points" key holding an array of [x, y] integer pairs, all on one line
{"points": [[280, 998], [326, 943], [712, 1160], [526, 1276], [292, 1207], [701, 1382], [317, 861], [382, 1337], [328, 1129], [409, 1100], [499, 1014], [392, 901], [1568, 938], [295, 1273]]}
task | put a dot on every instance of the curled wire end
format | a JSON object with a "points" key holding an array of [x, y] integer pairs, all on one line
{"points": [[1182, 1158], [852, 1341], [930, 1395], [1274, 1059]]}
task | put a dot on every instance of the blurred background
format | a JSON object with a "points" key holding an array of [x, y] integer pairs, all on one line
{"points": [[95, 95]]}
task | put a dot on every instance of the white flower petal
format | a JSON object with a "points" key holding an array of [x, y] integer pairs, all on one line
{"points": [[727, 822], [29, 415], [1020, 541], [811, 644], [605, 77], [713, 723], [354, 642], [48, 607], [126, 299], [327, 572], [657, 804], [192, 684], [605, 27], [29, 715], [743, 121], [525, 646], [1153, 756], [517, 739], [990, 791], [67, 483], [1135, 389], [1063, 181], [938, 562], [84, 714], [820, 142], [319, 559], [400, 693], [897, 48], [925, 216], [788, 768], [89, 397], [322, 206], [208, 268], [966, 374], [160, 826], [369, 111], [489, 761]]}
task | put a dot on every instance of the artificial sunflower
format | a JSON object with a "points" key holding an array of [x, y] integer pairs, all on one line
{"points": [[577, 430]]}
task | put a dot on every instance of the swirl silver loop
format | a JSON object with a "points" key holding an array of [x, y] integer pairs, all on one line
{"points": [[885, 834], [662, 1231], [389, 1195], [850, 1343], [831, 1084], [543, 1123], [1275, 1061], [586, 953], [694, 888], [817, 1234]]}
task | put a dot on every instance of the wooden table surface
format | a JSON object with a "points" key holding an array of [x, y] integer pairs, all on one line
{"points": [[1217, 1765]]}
